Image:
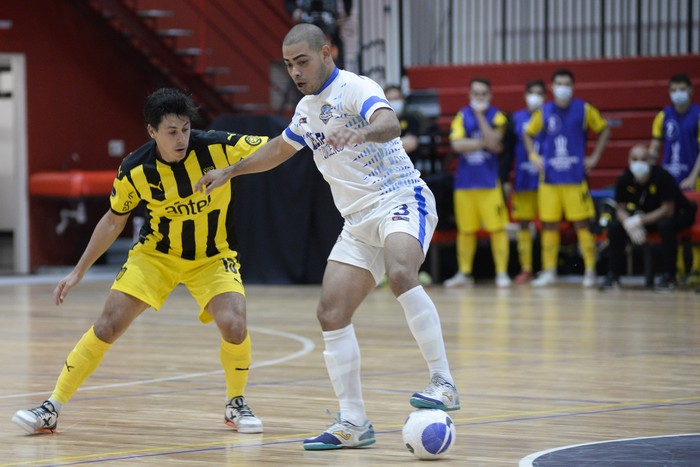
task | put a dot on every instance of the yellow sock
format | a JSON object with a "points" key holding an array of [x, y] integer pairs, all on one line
{"points": [[235, 359], [550, 249], [466, 249], [696, 258], [499, 250], [525, 249], [81, 362], [586, 243]]}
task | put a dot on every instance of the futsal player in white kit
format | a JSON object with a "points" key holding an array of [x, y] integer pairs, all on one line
{"points": [[389, 215]]}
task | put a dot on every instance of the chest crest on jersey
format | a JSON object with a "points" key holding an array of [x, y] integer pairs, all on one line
{"points": [[326, 113]]}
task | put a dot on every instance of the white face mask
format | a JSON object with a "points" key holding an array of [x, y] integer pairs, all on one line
{"points": [[639, 169], [680, 97], [397, 105], [479, 106], [534, 101], [562, 93]]}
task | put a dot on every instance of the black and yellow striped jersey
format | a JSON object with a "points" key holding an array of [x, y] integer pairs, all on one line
{"points": [[179, 221]]}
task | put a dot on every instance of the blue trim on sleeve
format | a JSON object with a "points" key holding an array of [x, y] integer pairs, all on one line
{"points": [[369, 103], [328, 81], [294, 137]]}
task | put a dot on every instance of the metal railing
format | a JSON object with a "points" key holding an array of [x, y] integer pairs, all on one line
{"points": [[439, 32]]}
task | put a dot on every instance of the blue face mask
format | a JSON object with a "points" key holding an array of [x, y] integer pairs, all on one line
{"points": [[680, 97]]}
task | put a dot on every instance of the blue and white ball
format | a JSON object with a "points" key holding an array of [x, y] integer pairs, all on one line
{"points": [[429, 433]]}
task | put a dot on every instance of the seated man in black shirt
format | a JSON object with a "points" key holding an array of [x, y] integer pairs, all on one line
{"points": [[648, 199], [413, 124]]}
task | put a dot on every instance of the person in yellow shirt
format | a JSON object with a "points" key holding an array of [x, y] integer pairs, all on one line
{"points": [[562, 161], [677, 127], [477, 135]]}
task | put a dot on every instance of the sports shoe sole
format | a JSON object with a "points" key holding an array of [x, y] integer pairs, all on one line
{"points": [[421, 403], [28, 426], [327, 447], [255, 429]]}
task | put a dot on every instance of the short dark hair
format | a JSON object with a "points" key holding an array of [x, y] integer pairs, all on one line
{"points": [[481, 80], [393, 87], [306, 32], [563, 72], [535, 82], [680, 78], [167, 101]]}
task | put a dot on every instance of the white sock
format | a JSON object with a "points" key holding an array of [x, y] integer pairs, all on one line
{"points": [[424, 323], [56, 405], [342, 357]]}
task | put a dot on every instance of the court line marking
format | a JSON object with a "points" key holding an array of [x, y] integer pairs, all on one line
{"points": [[307, 347], [527, 460], [218, 445]]}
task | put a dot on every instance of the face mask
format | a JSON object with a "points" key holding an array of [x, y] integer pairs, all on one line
{"points": [[562, 93], [680, 97], [534, 101], [639, 169], [479, 105], [397, 105]]}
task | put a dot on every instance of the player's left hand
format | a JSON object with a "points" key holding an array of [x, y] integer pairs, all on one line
{"points": [[340, 136]]}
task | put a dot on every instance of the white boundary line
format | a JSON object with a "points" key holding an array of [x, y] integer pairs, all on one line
{"points": [[307, 347], [527, 461]]}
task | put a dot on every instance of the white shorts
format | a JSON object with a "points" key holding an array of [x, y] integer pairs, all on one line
{"points": [[361, 243]]}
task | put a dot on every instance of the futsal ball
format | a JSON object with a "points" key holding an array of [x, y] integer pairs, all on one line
{"points": [[429, 433]]}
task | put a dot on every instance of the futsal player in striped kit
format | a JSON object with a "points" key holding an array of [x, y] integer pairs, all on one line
{"points": [[187, 238], [389, 215], [562, 159]]}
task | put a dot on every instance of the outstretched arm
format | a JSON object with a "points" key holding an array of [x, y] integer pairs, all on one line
{"points": [[106, 232], [383, 126], [275, 152]]}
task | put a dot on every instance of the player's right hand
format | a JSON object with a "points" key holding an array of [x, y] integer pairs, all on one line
{"points": [[210, 180]]}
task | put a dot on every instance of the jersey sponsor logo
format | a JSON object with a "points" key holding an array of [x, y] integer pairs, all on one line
{"points": [[253, 140], [399, 218], [326, 113], [302, 120], [188, 208]]}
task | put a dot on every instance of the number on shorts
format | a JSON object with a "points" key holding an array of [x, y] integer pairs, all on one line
{"points": [[229, 265], [402, 210]]}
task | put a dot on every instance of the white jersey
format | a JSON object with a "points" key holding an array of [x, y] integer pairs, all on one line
{"points": [[364, 173]]}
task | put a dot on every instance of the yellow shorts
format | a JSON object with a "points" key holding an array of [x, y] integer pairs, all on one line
{"points": [[480, 207], [150, 276], [525, 205], [573, 201]]}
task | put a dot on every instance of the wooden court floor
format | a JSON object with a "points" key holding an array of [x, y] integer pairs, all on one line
{"points": [[537, 369]]}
